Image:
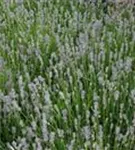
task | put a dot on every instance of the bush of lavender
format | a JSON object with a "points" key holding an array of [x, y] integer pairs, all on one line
{"points": [[67, 76]]}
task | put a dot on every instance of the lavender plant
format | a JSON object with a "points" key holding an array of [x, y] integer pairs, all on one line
{"points": [[67, 76]]}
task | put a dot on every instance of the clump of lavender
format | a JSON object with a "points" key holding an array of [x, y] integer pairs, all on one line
{"points": [[67, 77]]}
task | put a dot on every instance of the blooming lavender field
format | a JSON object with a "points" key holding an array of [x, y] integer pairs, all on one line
{"points": [[67, 76]]}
